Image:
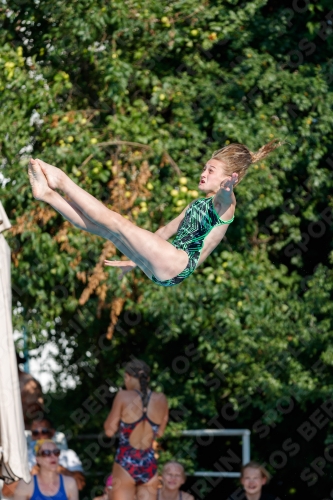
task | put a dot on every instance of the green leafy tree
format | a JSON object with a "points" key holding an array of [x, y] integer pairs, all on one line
{"points": [[129, 99]]}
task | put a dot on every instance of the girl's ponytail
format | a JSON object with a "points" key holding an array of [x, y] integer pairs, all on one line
{"points": [[237, 157], [265, 150], [143, 379]]}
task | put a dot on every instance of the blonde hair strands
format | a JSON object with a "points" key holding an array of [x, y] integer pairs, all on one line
{"points": [[40, 442], [237, 157]]}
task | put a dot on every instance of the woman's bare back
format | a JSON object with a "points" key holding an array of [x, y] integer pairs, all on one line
{"points": [[128, 408], [132, 411]]}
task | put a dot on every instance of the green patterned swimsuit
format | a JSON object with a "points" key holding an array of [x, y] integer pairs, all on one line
{"points": [[200, 218]]}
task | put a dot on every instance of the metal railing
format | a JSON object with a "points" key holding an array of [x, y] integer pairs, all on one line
{"points": [[245, 433]]}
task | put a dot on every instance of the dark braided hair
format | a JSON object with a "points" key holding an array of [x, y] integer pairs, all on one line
{"points": [[139, 369]]}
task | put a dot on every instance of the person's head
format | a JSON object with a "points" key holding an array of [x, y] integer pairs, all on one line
{"points": [[173, 475], [137, 371], [47, 454], [234, 158], [253, 477], [41, 429]]}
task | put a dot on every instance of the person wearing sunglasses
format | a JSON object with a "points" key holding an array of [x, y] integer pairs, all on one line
{"points": [[69, 462], [48, 484], [41, 433]]}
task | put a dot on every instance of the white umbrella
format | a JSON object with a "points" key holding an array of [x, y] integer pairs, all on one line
{"points": [[13, 446]]}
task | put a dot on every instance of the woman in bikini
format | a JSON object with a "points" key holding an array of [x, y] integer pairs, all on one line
{"points": [[48, 484], [173, 478], [199, 228], [140, 416]]}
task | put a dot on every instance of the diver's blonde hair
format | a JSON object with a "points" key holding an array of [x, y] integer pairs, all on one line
{"points": [[237, 157]]}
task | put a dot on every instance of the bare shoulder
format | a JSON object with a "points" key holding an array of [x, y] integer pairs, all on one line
{"points": [[123, 398], [159, 398], [127, 396], [69, 483], [71, 488], [187, 496], [123, 395], [24, 490]]}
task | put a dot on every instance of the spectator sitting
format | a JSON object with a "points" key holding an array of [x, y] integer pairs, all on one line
{"points": [[173, 477], [43, 427], [253, 477], [69, 463], [47, 483]]}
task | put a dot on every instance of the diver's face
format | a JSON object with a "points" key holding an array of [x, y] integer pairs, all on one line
{"points": [[212, 175]]}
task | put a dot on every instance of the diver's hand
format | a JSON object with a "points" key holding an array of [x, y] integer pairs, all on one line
{"points": [[125, 266]]}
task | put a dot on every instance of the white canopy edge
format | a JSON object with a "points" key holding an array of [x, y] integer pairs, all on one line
{"points": [[13, 445], [4, 221]]}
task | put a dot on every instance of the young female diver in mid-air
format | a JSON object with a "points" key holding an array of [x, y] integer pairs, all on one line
{"points": [[199, 228]]}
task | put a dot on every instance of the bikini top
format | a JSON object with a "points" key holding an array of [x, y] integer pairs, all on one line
{"points": [[180, 495], [126, 429], [200, 218], [38, 495]]}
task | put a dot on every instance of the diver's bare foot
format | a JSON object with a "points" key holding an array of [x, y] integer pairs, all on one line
{"points": [[53, 174], [40, 188]]}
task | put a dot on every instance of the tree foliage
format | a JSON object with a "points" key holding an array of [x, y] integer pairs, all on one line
{"points": [[130, 98]]}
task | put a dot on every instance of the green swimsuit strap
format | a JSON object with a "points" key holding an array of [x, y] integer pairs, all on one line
{"points": [[227, 221]]}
